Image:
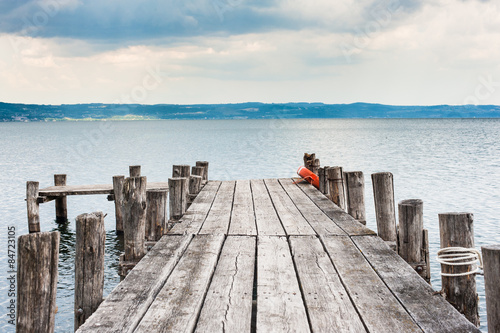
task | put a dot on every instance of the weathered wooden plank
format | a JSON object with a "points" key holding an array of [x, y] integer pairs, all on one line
{"points": [[328, 304], [178, 304], [228, 304], [346, 222], [124, 308], [243, 216], [379, 309], [292, 220], [279, 302], [321, 223], [60, 191], [428, 309], [266, 217], [218, 218]]}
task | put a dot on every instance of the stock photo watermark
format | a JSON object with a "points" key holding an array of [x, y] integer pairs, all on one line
{"points": [[485, 88], [11, 274], [223, 6]]}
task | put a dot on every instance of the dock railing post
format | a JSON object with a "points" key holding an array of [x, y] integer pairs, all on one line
{"points": [[33, 207], [491, 268], [118, 182], [61, 203], [38, 256], [134, 170], [183, 171], [412, 246], [383, 196], [89, 265], [203, 164], [156, 214], [456, 230], [355, 195], [178, 193], [336, 189]]}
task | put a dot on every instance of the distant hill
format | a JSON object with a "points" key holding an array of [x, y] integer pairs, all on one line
{"points": [[32, 112]]}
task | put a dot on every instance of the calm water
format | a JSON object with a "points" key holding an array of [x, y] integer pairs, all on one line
{"points": [[451, 164]]}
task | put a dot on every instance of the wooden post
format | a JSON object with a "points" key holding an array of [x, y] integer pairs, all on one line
{"points": [[135, 170], [411, 236], [89, 265], [491, 268], [118, 182], [134, 217], [38, 256], [321, 176], [156, 214], [456, 230], [197, 171], [33, 206], [315, 166], [355, 195], [61, 205], [194, 185], [309, 161], [383, 195], [203, 164], [336, 186], [178, 193], [181, 171]]}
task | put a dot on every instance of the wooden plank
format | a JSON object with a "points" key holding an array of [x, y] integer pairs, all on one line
{"points": [[323, 291], [292, 220], [428, 309], [123, 309], [60, 191], [321, 223], [194, 217], [346, 222], [228, 304], [178, 304], [279, 302], [266, 217], [218, 218], [243, 216], [379, 309]]}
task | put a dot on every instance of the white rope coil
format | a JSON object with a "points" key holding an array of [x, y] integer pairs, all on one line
{"points": [[460, 256]]}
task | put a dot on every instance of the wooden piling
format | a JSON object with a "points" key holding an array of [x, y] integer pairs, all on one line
{"points": [[316, 166], [156, 214], [197, 171], [355, 195], [61, 203], [456, 230], [89, 265], [321, 176], [336, 189], [491, 268], [383, 195], [178, 193], [134, 217], [118, 182], [38, 256], [411, 236], [194, 186], [33, 207], [309, 160], [203, 164], [135, 170], [181, 171]]}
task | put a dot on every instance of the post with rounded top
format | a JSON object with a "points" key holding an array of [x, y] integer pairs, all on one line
{"points": [[456, 230], [336, 189], [61, 203], [33, 207], [491, 268], [383, 196], [135, 170], [355, 195], [203, 164]]}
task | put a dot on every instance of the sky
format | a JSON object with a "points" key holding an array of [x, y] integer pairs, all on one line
{"points": [[400, 52]]}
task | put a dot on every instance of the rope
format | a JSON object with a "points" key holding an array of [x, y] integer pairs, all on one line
{"points": [[460, 256]]}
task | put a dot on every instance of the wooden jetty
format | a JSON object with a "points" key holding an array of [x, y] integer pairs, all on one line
{"points": [[272, 256]]}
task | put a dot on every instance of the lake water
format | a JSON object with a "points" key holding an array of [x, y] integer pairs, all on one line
{"points": [[453, 165]]}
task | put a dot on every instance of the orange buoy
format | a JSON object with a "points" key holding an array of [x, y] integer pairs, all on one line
{"points": [[308, 175]]}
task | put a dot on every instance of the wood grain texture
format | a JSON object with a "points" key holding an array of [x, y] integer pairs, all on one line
{"points": [[279, 301], [219, 217], [61, 203], [156, 214], [323, 292], [268, 222], [118, 182], [204, 165], [177, 305], [377, 306], [411, 226], [134, 170], [292, 220], [491, 267], [60, 191], [183, 171], [355, 195], [134, 217], [178, 197], [243, 215], [228, 304], [321, 223], [124, 308], [32, 206], [385, 211], [336, 186], [429, 310]]}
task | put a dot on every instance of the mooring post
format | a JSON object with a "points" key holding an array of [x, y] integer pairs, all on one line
{"points": [[309, 161], [156, 214], [321, 176], [491, 268], [61, 205], [336, 186], [134, 170], [197, 171], [194, 187], [89, 265], [181, 171], [38, 256], [411, 236], [33, 206], [383, 196], [456, 230], [355, 195], [203, 164], [178, 193], [316, 166], [118, 182]]}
